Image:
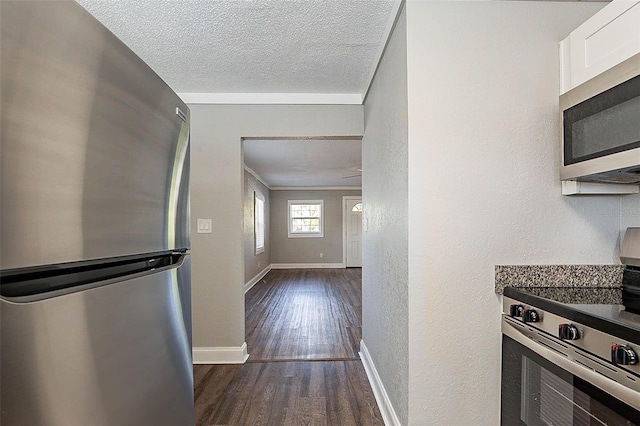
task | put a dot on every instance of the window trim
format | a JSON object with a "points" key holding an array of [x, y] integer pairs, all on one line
{"points": [[258, 197], [291, 234]]}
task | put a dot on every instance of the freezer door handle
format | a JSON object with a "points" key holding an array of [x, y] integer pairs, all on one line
{"points": [[31, 284]]}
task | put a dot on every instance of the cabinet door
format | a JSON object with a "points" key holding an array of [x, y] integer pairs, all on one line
{"points": [[609, 37]]}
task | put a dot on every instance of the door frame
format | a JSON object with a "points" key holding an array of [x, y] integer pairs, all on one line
{"points": [[345, 198]]}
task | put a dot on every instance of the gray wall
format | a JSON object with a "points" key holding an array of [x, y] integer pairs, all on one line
{"points": [[255, 263], [484, 189], [307, 250], [384, 245], [217, 192]]}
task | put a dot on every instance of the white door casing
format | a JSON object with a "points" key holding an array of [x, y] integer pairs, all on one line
{"points": [[352, 230]]}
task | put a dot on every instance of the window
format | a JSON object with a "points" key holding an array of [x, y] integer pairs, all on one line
{"points": [[258, 228], [357, 208], [306, 218]]}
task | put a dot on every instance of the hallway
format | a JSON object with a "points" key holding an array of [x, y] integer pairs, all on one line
{"points": [[303, 329]]}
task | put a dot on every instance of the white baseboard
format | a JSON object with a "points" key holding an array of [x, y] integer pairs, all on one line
{"points": [[220, 355], [389, 415], [307, 265], [253, 281]]}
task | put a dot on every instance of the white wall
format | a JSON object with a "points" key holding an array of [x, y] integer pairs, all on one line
{"points": [[384, 245], [484, 138], [629, 213], [216, 192]]}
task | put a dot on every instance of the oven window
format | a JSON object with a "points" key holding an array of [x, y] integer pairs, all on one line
{"points": [[536, 392], [605, 124], [549, 400]]}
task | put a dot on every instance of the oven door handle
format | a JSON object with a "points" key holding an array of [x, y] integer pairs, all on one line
{"points": [[623, 393]]}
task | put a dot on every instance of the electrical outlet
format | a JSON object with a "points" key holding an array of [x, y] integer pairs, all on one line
{"points": [[258, 264], [321, 254]]}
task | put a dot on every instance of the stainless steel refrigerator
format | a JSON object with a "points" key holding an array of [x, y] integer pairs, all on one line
{"points": [[94, 240]]}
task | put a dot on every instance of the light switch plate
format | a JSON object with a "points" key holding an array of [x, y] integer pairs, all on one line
{"points": [[204, 226]]}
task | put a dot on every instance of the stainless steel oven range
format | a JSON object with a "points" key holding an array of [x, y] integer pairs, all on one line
{"points": [[570, 356], [568, 364]]}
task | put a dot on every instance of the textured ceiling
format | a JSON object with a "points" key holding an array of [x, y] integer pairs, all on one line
{"points": [[299, 163], [253, 46]]}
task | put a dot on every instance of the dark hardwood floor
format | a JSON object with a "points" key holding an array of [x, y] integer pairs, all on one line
{"points": [[285, 393], [305, 314], [303, 332]]}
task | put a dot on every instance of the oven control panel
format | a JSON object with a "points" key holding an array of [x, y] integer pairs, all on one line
{"points": [[616, 351]]}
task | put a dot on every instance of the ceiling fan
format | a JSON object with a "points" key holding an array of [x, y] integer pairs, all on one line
{"points": [[352, 176]]}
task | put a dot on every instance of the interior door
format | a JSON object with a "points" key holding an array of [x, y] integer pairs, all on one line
{"points": [[353, 231]]}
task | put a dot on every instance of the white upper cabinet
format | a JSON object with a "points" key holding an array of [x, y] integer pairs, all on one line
{"points": [[606, 39]]}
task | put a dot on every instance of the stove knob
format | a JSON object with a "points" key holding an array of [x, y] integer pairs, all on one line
{"points": [[623, 355], [530, 315], [516, 310], [568, 332]]}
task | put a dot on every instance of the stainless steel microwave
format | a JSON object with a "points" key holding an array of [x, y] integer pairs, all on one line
{"points": [[601, 127]]}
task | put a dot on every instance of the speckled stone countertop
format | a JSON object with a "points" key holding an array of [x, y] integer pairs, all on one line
{"points": [[596, 280]]}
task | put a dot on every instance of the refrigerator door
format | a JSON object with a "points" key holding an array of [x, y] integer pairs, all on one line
{"points": [[117, 354], [94, 145]]}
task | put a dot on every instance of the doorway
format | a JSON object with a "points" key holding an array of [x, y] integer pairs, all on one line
{"points": [[352, 231]]}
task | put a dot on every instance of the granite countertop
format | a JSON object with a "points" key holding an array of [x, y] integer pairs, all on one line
{"points": [[564, 283]]}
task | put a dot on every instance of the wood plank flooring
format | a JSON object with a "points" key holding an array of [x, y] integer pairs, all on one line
{"points": [[303, 332], [285, 393], [305, 314]]}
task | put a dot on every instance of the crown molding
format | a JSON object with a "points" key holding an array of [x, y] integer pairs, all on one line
{"points": [[299, 188], [316, 188], [272, 98], [256, 175], [393, 18]]}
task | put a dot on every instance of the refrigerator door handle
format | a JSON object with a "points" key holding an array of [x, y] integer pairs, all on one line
{"points": [[177, 232], [31, 284]]}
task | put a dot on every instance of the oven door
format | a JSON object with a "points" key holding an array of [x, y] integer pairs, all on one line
{"points": [[536, 392]]}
